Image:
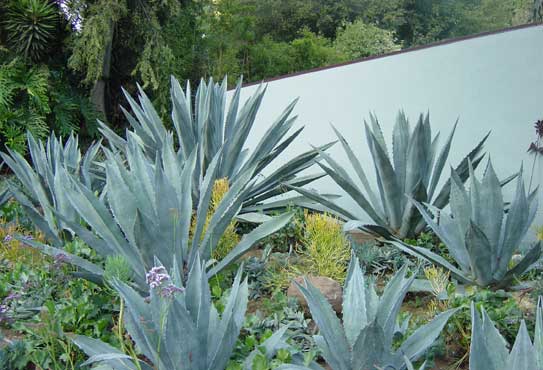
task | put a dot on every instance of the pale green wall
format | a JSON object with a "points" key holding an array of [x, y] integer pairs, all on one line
{"points": [[493, 83]]}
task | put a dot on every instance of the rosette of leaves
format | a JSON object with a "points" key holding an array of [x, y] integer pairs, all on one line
{"points": [[208, 126], [145, 210], [30, 26], [178, 327], [414, 170], [489, 350], [365, 338], [42, 183], [479, 235]]}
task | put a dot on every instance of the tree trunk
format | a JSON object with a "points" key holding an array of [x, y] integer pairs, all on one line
{"points": [[98, 93]]}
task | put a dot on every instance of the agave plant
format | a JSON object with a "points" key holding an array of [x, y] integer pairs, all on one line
{"points": [[365, 340], [145, 211], [40, 188], [178, 327], [207, 127], [478, 235], [415, 169], [489, 350]]}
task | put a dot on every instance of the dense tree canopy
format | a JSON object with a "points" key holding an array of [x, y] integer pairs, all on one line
{"points": [[63, 62]]}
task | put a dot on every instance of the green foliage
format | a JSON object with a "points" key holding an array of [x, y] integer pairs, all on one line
{"points": [[413, 172], [24, 102], [358, 39], [42, 301], [473, 233], [30, 26], [326, 251], [366, 336], [489, 350]]}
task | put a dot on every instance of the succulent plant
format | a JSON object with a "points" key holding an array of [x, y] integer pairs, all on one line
{"points": [[365, 339], [478, 235], [175, 328], [414, 170], [207, 127], [489, 350], [178, 327], [40, 188], [145, 211]]}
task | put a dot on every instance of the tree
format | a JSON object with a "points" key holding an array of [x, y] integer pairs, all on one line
{"points": [[358, 39]]}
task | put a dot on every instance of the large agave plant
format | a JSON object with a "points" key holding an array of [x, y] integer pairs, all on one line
{"points": [[414, 170], [40, 188], [489, 350], [365, 339], [145, 211], [207, 127], [478, 234], [178, 327]]}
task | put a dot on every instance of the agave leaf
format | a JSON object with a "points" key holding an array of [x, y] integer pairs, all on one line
{"points": [[414, 346], [57, 252], [312, 195], [333, 338], [137, 312], [391, 191], [452, 239], [360, 172], [433, 258], [520, 268], [370, 349], [250, 240], [440, 162], [475, 157], [515, 225], [481, 255], [410, 217], [522, 356], [351, 189], [481, 355], [355, 316], [391, 302], [94, 347], [490, 216], [400, 145]]}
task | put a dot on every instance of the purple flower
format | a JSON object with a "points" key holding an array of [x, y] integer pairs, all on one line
{"points": [[156, 276], [3, 308], [8, 238], [60, 258], [170, 290], [12, 296]]}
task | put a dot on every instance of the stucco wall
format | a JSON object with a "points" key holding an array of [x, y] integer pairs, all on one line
{"points": [[493, 82]]}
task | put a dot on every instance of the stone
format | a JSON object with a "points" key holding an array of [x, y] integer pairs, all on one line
{"points": [[329, 288]]}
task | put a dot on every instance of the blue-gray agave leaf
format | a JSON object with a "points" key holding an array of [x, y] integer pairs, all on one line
{"points": [[40, 189], [176, 328], [414, 169], [365, 338], [146, 208], [477, 233], [489, 350], [213, 126]]}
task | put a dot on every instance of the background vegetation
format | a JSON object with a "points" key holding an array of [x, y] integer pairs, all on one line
{"points": [[62, 62]]}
